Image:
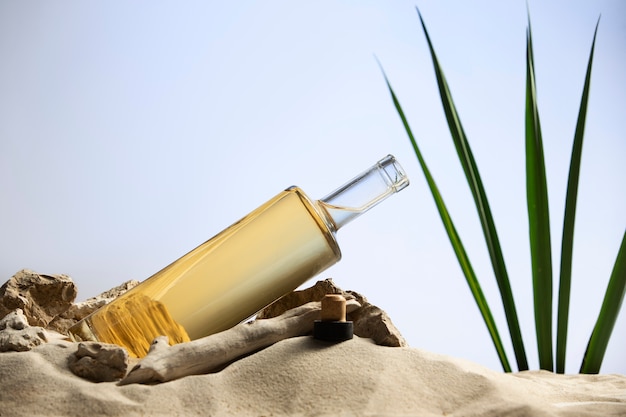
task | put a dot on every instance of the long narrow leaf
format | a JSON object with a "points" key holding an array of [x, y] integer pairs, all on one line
{"points": [[538, 217], [455, 241], [567, 242], [482, 206], [613, 298]]}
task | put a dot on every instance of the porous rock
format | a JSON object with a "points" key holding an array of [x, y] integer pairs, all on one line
{"points": [[297, 298], [369, 320], [373, 322], [99, 362], [16, 335], [41, 297], [79, 311]]}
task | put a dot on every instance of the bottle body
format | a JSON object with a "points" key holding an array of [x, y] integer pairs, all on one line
{"points": [[224, 281]]}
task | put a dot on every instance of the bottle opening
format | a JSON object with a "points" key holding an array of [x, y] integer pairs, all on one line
{"points": [[364, 191]]}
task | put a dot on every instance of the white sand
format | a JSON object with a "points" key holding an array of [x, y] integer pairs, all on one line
{"points": [[301, 377]]}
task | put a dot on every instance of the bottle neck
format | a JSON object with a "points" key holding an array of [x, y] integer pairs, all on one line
{"points": [[363, 192]]}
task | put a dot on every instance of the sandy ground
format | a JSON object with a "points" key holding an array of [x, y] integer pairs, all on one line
{"points": [[301, 377]]}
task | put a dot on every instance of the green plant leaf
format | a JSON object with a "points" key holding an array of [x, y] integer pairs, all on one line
{"points": [[613, 298], [539, 229], [455, 240], [538, 217], [567, 242], [472, 174]]}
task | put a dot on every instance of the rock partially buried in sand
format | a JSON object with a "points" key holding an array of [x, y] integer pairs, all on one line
{"points": [[41, 297], [17, 336], [99, 362], [79, 311], [374, 323], [369, 321]]}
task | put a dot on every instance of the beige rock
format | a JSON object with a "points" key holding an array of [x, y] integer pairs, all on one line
{"points": [[298, 298], [41, 297], [99, 362], [369, 321], [374, 323], [16, 335], [79, 311]]}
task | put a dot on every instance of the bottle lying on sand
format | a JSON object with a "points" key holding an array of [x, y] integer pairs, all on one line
{"points": [[244, 268]]}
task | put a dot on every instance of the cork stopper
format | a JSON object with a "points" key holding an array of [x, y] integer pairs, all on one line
{"points": [[333, 326], [333, 308]]}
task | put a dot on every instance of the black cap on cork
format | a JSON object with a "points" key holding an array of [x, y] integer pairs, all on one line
{"points": [[333, 326]]}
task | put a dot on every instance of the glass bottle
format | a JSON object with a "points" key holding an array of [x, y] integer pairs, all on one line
{"points": [[230, 277]]}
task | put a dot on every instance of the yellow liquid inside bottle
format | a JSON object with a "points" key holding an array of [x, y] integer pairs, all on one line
{"points": [[222, 282]]}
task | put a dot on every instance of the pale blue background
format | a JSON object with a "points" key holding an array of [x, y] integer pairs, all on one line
{"points": [[131, 131]]}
